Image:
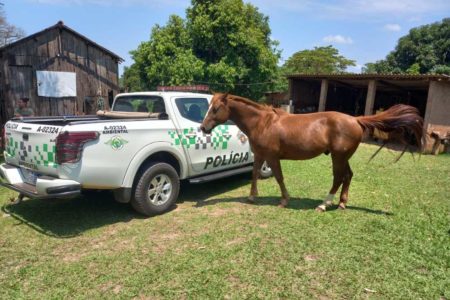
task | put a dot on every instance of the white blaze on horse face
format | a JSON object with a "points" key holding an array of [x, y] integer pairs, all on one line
{"points": [[209, 109], [208, 126], [327, 202]]}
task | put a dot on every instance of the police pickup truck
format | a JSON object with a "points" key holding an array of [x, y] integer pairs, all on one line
{"points": [[140, 150]]}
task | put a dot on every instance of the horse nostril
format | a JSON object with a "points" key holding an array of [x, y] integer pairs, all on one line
{"points": [[202, 128]]}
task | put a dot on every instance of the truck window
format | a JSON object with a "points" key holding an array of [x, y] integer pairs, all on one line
{"points": [[193, 109], [151, 104]]}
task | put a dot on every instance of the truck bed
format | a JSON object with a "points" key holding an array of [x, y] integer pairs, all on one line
{"points": [[72, 120]]}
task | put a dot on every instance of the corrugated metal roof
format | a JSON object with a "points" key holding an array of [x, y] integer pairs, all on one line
{"points": [[421, 77], [61, 25]]}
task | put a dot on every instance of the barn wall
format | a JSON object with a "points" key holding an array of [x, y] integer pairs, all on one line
{"points": [[305, 95], [96, 71], [346, 100], [437, 116]]}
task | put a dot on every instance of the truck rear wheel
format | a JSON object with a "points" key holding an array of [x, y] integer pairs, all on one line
{"points": [[156, 189]]}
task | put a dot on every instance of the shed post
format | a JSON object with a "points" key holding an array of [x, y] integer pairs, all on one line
{"points": [[429, 106], [370, 99], [290, 88], [323, 94]]}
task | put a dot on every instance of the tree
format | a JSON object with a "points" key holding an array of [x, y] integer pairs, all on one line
{"points": [[320, 60], [166, 59], [225, 43], [425, 49], [8, 33]]}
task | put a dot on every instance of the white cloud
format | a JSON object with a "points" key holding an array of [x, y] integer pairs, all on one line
{"points": [[355, 69], [392, 27], [337, 39], [356, 8]]}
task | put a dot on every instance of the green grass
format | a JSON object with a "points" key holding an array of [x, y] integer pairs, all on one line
{"points": [[392, 242]]}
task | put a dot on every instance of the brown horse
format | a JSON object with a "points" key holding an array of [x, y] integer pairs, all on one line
{"points": [[275, 134]]}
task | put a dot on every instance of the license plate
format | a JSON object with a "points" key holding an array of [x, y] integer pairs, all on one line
{"points": [[29, 176]]}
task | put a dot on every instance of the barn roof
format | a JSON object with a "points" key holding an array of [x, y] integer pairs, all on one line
{"points": [[60, 25], [353, 76], [385, 81]]}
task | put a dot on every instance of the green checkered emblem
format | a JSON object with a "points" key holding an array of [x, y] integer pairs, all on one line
{"points": [[195, 138], [41, 155], [12, 147], [45, 156]]}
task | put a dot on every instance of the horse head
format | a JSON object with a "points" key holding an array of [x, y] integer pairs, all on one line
{"points": [[218, 112]]}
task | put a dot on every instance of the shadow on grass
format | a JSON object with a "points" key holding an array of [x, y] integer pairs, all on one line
{"points": [[71, 217], [294, 203]]}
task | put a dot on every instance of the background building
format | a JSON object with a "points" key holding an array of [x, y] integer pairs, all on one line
{"points": [[61, 71], [365, 94]]}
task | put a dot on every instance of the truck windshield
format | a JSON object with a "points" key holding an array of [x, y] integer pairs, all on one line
{"points": [[151, 104]]}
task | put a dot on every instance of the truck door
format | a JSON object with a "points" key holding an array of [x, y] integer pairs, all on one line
{"points": [[226, 147]]}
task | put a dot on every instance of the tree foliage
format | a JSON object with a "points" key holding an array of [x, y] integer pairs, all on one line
{"points": [[425, 49], [166, 59], [224, 43], [320, 60], [8, 32]]}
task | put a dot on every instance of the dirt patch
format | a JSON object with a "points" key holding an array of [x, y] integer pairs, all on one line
{"points": [[73, 257], [311, 257], [236, 241], [222, 211], [111, 286]]}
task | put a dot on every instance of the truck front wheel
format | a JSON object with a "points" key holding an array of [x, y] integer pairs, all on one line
{"points": [[156, 189]]}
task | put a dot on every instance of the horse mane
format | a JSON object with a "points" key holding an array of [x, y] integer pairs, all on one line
{"points": [[254, 104]]}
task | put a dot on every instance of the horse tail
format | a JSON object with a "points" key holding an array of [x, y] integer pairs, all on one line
{"points": [[399, 118]]}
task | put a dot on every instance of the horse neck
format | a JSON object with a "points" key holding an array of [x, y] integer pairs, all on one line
{"points": [[245, 116]]}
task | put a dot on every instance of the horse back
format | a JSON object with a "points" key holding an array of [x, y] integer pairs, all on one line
{"points": [[305, 136]]}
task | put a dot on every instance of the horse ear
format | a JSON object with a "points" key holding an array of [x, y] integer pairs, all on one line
{"points": [[224, 98]]}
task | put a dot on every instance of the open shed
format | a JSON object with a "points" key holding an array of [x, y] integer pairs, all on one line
{"points": [[365, 94]]}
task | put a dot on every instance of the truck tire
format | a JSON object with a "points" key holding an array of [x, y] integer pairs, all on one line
{"points": [[265, 171], [156, 189]]}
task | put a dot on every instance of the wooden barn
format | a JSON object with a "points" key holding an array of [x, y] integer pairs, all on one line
{"points": [[366, 94], [61, 72]]}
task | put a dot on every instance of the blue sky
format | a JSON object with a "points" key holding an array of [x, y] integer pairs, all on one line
{"points": [[363, 30]]}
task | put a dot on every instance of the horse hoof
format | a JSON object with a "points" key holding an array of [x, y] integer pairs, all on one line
{"points": [[281, 205], [251, 199], [341, 206], [320, 209]]}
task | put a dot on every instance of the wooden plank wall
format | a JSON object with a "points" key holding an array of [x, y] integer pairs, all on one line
{"points": [[96, 72]]}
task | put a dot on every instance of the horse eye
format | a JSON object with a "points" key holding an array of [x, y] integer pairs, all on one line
{"points": [[214, 110]]}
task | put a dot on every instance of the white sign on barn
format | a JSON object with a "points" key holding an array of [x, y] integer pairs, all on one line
{"points": [[56, 84]]}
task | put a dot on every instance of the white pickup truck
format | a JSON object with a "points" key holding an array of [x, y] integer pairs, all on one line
{"points": [[140, 150]]}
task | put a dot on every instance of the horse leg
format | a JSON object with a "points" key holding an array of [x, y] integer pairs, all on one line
{"points": [[276, 169], [339, 170], [345, 187], [258, 161]]}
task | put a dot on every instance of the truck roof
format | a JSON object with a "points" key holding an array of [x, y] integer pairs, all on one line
{"points": [[162, 94]]}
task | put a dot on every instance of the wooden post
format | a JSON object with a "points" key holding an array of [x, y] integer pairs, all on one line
{"points": [[370, 99], [427, 140], [290, 89], [323, 94]]}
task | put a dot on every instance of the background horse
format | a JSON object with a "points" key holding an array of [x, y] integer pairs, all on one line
{"points": [[275, 134]]}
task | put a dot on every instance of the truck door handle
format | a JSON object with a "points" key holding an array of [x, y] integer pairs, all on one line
{"points": [[191, 135]]}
